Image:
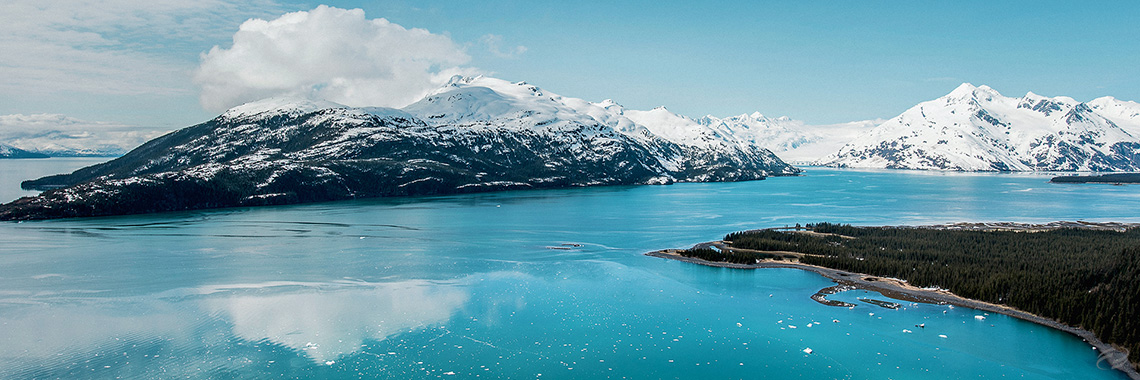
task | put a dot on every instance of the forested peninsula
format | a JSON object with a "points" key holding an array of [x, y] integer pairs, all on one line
{"points": [[1114, 178], [1082, 275]]}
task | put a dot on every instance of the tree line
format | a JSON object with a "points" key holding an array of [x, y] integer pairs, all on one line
{"points": [[1081, 277], [722, 256]]}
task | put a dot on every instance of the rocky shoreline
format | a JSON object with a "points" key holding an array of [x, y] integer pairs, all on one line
{"points": [[900, 290]]}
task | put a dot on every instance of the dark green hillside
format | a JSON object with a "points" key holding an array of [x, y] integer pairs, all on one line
{"points": [[1081, 277], [1106, 178]]}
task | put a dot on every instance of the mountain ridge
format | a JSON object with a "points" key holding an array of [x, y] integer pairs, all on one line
{"points": [[978, 129], [475, 134], [11, 152]]}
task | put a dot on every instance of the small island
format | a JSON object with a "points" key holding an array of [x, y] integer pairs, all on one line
{"points": [[1115, 178], [1078, 277]]}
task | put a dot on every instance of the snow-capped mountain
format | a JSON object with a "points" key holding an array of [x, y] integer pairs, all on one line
{"points": [[1126, 114], [481, 102], [822, 140], [8, 151], [62, 136], [978, 129], [791, 140], [474, 134]]}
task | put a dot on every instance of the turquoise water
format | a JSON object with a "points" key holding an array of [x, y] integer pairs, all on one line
{"points": [[469, 287], [12, 172]]}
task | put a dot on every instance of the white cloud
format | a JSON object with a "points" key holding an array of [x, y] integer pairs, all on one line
{"points": [[58, 134], [125, 47], [494, 42], [335, 54]]}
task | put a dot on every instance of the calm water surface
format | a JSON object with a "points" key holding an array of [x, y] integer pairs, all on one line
{"points": [[12, 172], [469, 287]]}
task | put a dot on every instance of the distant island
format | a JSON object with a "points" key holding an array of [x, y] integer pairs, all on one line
{"points": [[1104, 178], [1082, 278]]}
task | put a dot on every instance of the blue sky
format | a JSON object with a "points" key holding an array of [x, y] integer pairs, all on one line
{"points": [[821, 62]]}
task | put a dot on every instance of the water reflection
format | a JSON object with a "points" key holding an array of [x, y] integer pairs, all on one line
{"points": [[468, 285], [326, 321], [208, 331]]}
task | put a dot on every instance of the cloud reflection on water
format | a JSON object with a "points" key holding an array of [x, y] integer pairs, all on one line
{"points": [[67, 334], [336, 319]]}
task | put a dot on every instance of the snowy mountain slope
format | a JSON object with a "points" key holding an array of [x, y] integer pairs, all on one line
{"points": [[818, 141], [686, 149], [791, 140], [290, 105], [978, 129], [477, 134], [771, 133], [1126, 114]]}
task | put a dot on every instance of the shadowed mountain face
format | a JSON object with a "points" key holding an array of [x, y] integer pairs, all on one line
{"points": [[283, 152]]}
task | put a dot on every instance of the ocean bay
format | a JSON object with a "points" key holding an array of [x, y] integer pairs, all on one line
{"points": [[470, 285]]}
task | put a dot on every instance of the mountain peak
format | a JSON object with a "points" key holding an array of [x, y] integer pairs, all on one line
{"points": [[1112, 101], [969, 91], [963, 89], [461, 80], [610, 104]]}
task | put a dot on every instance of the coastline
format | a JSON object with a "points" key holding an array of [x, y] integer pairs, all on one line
{"points": [[900, 290]]}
